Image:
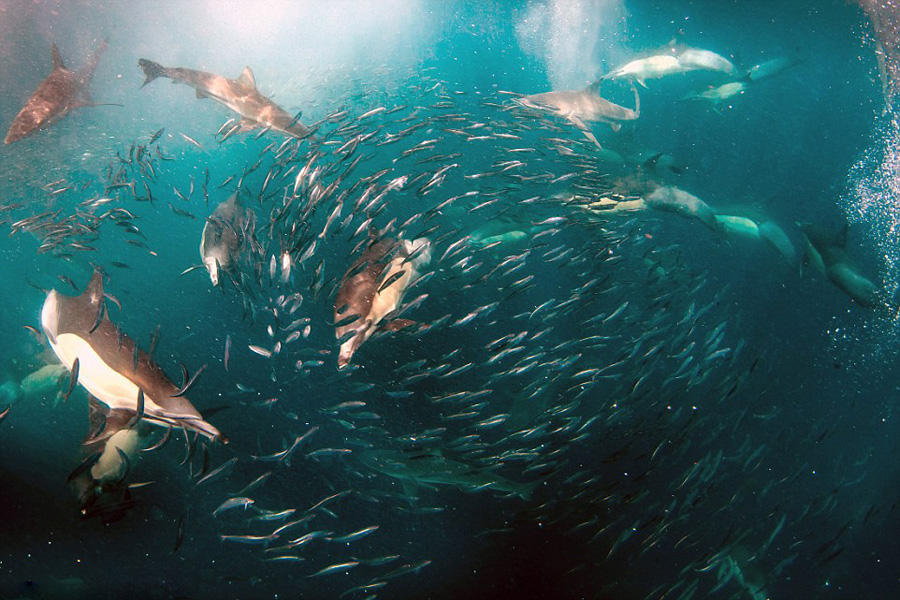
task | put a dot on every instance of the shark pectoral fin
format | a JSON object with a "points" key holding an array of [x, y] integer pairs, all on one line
{"points": [[200, 94], [56, 58], [247, 77], [398, 324], [585, 130], [247, 125]]}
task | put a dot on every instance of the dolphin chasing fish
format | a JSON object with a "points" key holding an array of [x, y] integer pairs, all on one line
{"points": [[373, 289], [59, 93], [223, 237], [240, 95]]}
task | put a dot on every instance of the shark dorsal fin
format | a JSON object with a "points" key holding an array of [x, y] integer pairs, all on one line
{"points": [[57, 59], [247, 77]]}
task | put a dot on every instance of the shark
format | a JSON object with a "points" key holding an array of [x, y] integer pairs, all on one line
{"points": [[433, 469], [239, 95], [584, 106], [827, 253], [60, 92]]}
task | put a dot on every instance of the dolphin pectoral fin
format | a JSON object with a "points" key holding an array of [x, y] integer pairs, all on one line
{"points": [[615, 126], [201, 94], [56, 58], [641, 82], [247, 77]]}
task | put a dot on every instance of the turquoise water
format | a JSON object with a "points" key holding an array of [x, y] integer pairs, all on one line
{"points": [[591, 402]]}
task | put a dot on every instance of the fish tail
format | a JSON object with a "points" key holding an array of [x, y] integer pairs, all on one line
{"points": [[151, 70]]}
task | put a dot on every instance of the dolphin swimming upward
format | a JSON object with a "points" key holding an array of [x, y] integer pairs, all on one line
{"points": [[373, 290], [59, 93], [240, 95], [224, 236]]}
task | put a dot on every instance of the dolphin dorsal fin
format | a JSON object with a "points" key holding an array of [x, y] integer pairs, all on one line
{"points": [[247, 77], [57, 59]]}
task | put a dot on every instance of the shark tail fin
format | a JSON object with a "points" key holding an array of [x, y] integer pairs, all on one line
{"points": [[151, 70]]}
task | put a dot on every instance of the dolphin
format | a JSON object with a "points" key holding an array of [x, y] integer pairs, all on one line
{"points": [[738, 226], [584, 106], [240, 95], [827, 253], [434, 469], [679, 61], [717, 95], [774, 235], [373, 290], [223, 237], [100, 483], [673, 199], [652, 67], [114, 371], [771, 68], [59, 93], [695, 59]]}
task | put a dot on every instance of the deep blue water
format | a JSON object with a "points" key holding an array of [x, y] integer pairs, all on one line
{"points": [[653, 477]]}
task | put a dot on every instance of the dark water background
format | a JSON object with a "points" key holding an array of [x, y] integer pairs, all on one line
{"points": [[822, 404]]}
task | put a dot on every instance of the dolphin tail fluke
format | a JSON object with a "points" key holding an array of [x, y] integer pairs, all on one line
{"points": [[151, 70]]}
